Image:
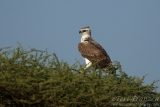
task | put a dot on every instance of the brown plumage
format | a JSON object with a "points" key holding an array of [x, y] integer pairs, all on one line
{"points": [[94, 52]]}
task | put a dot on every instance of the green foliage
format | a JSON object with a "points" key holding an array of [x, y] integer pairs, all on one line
{"points": [[32, 79]]}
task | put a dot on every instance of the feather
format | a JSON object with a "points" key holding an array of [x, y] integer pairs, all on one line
{"points": [[94, 52]]}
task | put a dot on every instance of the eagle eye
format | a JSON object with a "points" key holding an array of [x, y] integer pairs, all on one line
{"points": [[84, 30]]}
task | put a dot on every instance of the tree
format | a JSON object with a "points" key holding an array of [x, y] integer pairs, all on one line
{"points": [[32, 79]]}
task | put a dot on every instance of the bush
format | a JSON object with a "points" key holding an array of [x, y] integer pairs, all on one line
{"points": [[32, 79]]}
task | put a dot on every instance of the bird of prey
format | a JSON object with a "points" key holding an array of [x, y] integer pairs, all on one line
{"points": [[92, 51]]}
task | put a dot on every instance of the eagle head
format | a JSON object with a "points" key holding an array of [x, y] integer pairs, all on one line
{"points": [[85, 31]]}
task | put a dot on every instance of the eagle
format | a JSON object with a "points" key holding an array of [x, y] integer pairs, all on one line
{"points": [[93, 52]]}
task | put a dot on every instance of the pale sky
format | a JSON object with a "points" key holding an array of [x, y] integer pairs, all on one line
{"points": [[129, 30]]}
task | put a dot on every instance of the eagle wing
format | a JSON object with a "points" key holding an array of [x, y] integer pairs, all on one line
{"points": [[94, 52]]}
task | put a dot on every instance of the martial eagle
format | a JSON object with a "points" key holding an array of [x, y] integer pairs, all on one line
{"points": [[92, 51]]}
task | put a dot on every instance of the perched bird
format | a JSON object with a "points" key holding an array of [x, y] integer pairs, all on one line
{"points": [[93, 52]]}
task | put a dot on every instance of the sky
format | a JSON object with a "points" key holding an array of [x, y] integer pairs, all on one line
{"points": [[129, 30]]}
